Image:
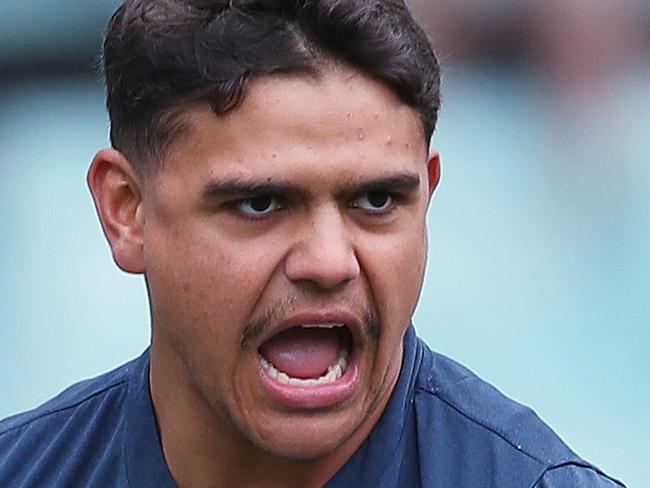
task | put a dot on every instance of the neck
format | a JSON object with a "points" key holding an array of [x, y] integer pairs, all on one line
{"points": [[202, 447]]}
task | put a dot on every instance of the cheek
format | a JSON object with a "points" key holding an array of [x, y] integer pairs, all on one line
{"points": [[206, 283], [395, 268]]}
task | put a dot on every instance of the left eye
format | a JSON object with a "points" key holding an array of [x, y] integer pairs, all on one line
{"points": [[375, 201], [258, 206]]}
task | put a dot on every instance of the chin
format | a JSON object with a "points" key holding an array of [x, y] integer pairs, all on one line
{"points": [[307, 438]]}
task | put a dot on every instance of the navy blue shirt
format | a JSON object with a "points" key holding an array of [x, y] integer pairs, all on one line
{"points": [[443, 428]]}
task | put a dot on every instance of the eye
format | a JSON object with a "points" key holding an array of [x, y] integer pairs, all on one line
{"points": [[258, 206], [374, 201]]}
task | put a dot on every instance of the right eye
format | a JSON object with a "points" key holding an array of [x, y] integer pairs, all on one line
{"points": [[259, 206], [375, 202]]}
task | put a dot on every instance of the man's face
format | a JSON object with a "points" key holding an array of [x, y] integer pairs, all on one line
{"points": [[305, 206]]}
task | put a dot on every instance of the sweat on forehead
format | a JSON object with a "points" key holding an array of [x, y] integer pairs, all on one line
{"points": [[162, 56]]}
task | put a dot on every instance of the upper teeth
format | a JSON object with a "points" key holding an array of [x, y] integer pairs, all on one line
{"points": [[323, 326]]}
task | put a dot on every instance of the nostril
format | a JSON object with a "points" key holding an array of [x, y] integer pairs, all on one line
{"points": [[329, 260], [327, 269]]}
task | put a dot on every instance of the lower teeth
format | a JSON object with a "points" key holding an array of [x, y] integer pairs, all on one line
{"points": [[332, 374]]}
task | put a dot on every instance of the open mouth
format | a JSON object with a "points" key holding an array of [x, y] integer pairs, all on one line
{"points": [[308, 355]]}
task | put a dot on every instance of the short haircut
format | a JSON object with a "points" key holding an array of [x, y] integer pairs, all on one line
{"points": [[162, 57]]}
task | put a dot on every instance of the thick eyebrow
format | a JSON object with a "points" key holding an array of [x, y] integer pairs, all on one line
{"points": [[404, 182], [239, 188]]}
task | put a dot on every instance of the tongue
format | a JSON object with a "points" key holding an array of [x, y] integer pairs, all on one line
{"points": [[303, 352]]}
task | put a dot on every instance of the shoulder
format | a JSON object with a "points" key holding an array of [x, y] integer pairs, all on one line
{"points": [[481, 433], [52, 440], [64, 405], [576, 476]]}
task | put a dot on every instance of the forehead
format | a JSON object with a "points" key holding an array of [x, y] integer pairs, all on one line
{"points": [[341, 123]]}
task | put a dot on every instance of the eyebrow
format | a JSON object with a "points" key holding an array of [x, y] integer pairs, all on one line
{"points": [[403, 182], [241, 188]]}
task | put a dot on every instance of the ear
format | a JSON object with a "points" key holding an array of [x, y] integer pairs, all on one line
{"points": [[116, 191], [434, 170]]}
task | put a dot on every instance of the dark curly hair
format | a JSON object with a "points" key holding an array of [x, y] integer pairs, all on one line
{"points": [[161, 57]]}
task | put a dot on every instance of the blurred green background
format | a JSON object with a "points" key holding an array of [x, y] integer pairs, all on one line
{"points": [[539, 263]]}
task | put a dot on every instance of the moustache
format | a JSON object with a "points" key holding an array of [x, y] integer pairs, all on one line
{"points": [[262, 325]]}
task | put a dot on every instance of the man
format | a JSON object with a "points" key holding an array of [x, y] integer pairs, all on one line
{"points": [[270, 175]]}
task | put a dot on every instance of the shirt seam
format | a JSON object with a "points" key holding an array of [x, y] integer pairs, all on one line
{"points": [[125, 425], [483, 424], [63, 408], [580, 465], [402, 433]]}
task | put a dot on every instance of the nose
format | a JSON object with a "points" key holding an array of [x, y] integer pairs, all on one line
{"points": [[323, 252]]}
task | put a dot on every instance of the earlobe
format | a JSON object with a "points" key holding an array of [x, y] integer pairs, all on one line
{"points": [[434, 170], [116, 190]]}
